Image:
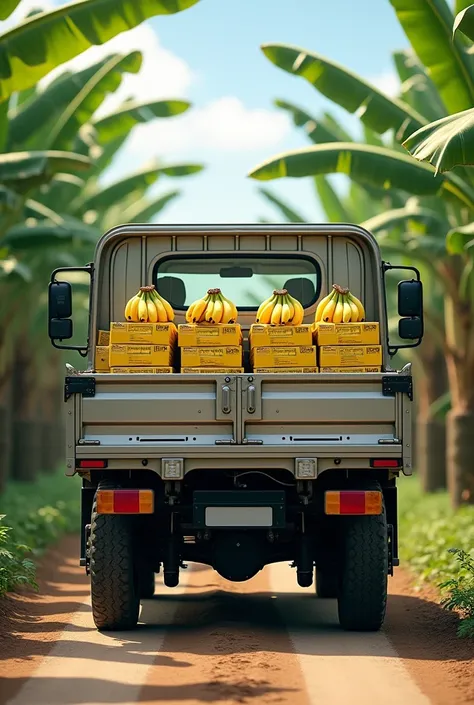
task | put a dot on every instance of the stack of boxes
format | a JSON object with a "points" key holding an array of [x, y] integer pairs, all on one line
{"points": [[348, 347], [146, 348], [282, 348], [210, 348]]}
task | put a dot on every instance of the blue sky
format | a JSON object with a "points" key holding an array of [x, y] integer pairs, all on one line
{"points": [[211, 55]]}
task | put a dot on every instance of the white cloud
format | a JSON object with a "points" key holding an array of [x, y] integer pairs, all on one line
{"points": [[224, 124], [387, 82]]}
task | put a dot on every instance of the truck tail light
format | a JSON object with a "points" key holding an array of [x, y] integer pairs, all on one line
{"points": [[125, 501], [351, 502], [92, 464], [386, 463]]}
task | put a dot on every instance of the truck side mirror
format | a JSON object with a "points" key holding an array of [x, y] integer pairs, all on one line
{"points": [[410, 299], [410, 328], [60, 326], [60, 300]]}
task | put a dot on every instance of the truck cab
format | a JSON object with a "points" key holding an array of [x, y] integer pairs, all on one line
{"points": [[238, 470]]}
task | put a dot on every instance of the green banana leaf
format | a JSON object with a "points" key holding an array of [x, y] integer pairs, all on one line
{"points": [[417, 87], [314, 128], [446, 143], [288, 213], [428, 25], [60, 192], [377, 166], [123, 120], [23, 171], [460, 5], [137, 183], [7, 7], [36, 46], [31, 124], [147, 208], [460, 239], [333, 207], [345, 88], [12, 270], [404, 216], [46, 233], [39, 211], [85, 103], [464, 22], [4, 126]]}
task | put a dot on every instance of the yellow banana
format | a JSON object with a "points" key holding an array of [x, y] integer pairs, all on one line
{"points": [[346, 310], [218, 310], [338, 311], [263, 305], [162, 314], [152, 310], [354, 311], [276, 313], [266, 313], [233, 314], [322, 305], [299, 311], [329, 309], [142, 309], [128, 308], [359, 305], [210, 309], [286, 310], [166, 305], [197, 309]]}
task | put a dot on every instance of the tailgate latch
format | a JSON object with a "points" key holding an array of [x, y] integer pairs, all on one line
{"points": [[397, 383], [79, 385]]}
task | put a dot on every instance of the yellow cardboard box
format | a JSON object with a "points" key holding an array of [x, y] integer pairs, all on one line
{"points": [[350, 355], [141, 370], [284, 370], [215, 356], [346, 333], [152, 333], [204, 335], [101, 363], [212, 370], [103, 337], [262, 335], [351, 369], [291, 356], [140, 355]]}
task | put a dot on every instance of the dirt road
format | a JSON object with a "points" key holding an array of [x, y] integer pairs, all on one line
{"points": [[210, 641]]}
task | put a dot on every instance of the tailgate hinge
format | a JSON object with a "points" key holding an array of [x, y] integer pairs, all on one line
{"points": [[397, 383], [79, 385]]}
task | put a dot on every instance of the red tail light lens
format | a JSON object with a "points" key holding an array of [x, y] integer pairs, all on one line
{"points": [[386, 463], [92, 464]]}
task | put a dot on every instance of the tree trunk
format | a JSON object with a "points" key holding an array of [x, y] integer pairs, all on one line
{"points": [[26, 449], [51, 411], [26, 456], [5, 430], [460, 457]]}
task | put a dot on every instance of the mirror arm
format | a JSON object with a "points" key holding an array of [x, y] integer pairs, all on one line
{"points": [[89, 269], [386, 267]]}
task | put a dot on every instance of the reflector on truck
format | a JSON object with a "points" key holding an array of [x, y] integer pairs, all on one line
{"points": [[125, 501], [352, 502]]}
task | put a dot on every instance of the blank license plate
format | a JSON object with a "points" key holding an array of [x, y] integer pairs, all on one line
{"points": [[239, 516]]}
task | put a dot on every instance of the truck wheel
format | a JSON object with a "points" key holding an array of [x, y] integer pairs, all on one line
{"points": [[147, 583], [326, 584], [362, 591], [114, 588]]}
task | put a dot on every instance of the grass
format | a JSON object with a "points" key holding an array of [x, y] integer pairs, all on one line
{"points": [[438, 544], [34, 516]]}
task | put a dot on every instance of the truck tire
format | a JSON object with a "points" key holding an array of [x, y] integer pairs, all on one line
{"points": [[362, 590], [147, 583], [326, 584], [114, 585]]}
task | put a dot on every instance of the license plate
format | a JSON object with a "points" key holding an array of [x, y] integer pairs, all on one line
{"points": [[239, 516]]}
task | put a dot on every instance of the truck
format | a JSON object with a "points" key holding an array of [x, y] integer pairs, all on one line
{"points": [[239, 470]]}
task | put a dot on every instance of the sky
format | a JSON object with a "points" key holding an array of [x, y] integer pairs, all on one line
{"points": [[211, 56]]}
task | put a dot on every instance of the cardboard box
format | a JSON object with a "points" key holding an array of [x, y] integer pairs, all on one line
{"points": [[262, 335], [204, 335], [103, 338], [212, 370], [140, 355], [141, 370], [350, 355], [294, 356], [152, 333], [101, 362], [350, 369], [216, 356], [346, 333], [284, 370]]}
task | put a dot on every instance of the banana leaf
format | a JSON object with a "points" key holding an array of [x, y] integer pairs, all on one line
{"points": [[7, 7], [428, 25], [333, 207], [68, 94], [59, 193], [404, 216], [314, 128], [446, 143], [464, 22], [22, 171], [288, 213], [123, 120], [37, 45], [460, 239], [46, 233], [417, 87], [376, 166], [147, 208], [137, 183], [345, 88]]}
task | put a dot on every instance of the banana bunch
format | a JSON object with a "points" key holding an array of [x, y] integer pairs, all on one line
{"points": [[212, 308], [148, 307], [340, 306], [280, 309]]}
